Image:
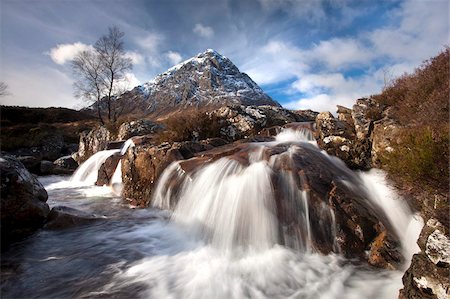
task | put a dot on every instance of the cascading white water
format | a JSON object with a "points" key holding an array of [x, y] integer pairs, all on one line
{"points": [[235, 209], [230, 205], [222, 239], [87, 172]]}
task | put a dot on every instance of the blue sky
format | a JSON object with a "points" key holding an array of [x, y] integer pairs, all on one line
{"points": [[305, 54]]}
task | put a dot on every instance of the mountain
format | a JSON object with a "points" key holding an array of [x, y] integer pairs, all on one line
{"points": [[206, 80]]}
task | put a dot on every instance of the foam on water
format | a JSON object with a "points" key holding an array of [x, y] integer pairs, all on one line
{"points": [[221, 240]]}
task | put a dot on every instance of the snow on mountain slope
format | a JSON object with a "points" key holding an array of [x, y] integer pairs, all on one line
{"points": [[208, 79]]}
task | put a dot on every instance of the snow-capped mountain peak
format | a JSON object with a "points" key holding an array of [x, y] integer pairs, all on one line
{"points": [[208, 78]]}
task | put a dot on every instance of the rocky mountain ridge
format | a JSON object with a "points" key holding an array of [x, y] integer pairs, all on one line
{"points": [[208, 79]]}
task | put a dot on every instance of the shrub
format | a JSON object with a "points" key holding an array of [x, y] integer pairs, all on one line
{"points": [[421, 98], [421, 156], [191, 125]]}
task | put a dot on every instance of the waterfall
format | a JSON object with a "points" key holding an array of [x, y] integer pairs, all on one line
{"points": [[87, 172], [233, 205]]}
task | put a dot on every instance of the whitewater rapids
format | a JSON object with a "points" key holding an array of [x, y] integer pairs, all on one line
{"points": [[214, 245]]}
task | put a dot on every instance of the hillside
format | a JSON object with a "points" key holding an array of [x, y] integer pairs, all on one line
{"points": [[419, 104]]}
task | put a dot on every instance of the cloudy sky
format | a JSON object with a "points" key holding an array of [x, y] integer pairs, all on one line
{"points": [[304, 53]]}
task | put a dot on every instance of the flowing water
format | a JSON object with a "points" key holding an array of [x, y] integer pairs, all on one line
{"points": [[219, 242]]}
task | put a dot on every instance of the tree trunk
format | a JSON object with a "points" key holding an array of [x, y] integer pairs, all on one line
{"points": [[99, 113]]}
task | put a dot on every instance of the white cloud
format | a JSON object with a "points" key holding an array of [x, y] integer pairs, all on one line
{"points": [[65, 52], [135, 57], [275, 62], [338, 53], [128, 82], [40, 87], [203, 31], [319, 71], [422, 31], [173, 57], [151, 42]]}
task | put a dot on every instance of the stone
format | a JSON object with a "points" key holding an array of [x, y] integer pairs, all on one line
{"points": [[92, 142], [61, 217], [428, 276], [138, 128], [66, 162], [23, 201], [359, 224], [384, 252], [345, 114], [365, 112], [141, 167], [50, 148], [385, 137], [107, 169], [424, 280], [242, 122], [46, 167], [32, 163], [438, 248]]}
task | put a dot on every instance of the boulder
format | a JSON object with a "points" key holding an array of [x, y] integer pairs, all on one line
{"points": [[143, 164], [429, 273], [242, 122], [50, 148], [336, 137], [91, 142], [46, 167], [384, 252], [365, 112], [339, 215], [66, 162], [107, 169], [23, 201], [61, 217], [141, 167], [345, 115], [385, 137], [138, 128], [32, 163]]}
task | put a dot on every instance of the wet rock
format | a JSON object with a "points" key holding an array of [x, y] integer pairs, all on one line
{"points": [[115, 144], [141, 167], [341, 219], [107, 169], [50, 148], [66, 162], [213, 142], [61, 217], [429, 273], [46, 167], [91, 142], [384, 252], [138, 128], [23, 201], [31, 163]]}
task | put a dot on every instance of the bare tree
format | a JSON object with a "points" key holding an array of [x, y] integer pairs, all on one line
{"points": [[100, 71], [110, 49], [89, 86], [3, 89]]}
